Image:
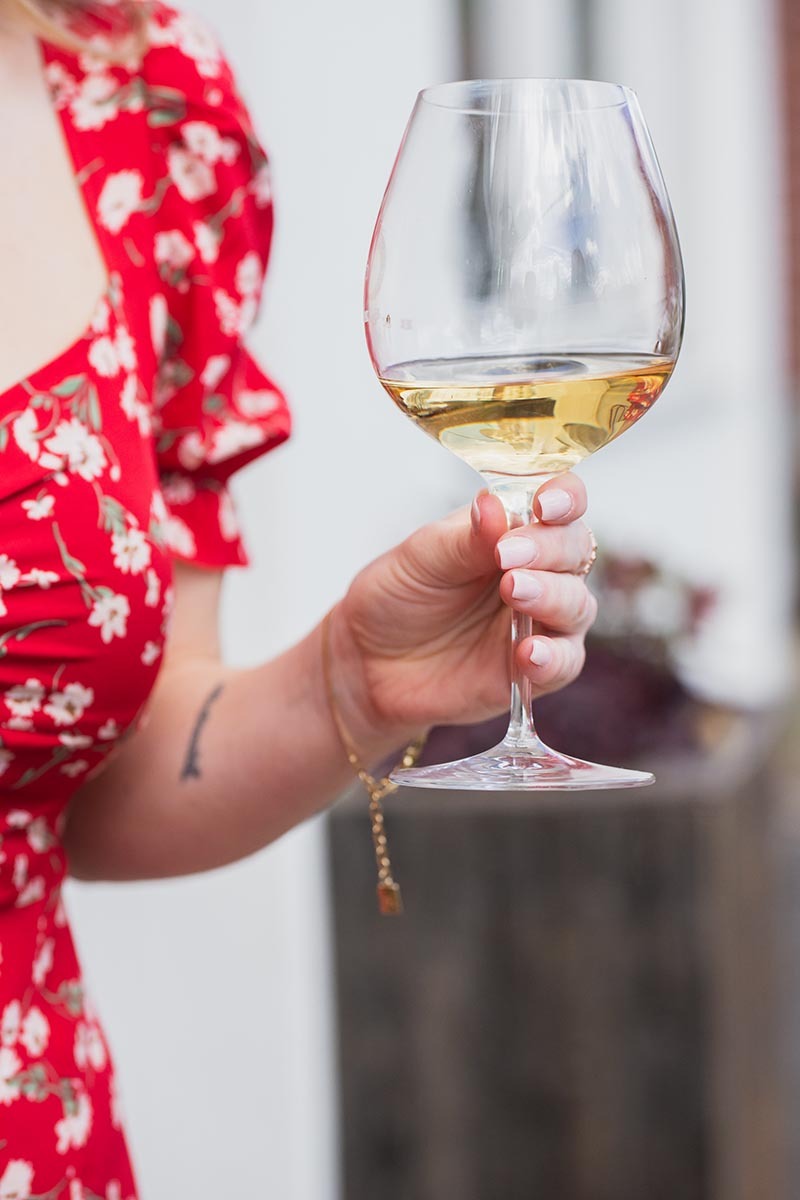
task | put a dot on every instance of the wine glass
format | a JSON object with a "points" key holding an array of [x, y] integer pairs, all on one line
{"points": [[524, 306]]}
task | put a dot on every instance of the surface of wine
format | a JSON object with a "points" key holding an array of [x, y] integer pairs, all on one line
{"points": [[527, 415]]}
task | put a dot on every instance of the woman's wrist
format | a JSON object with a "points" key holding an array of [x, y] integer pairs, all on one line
{"points": [[356, 718]]}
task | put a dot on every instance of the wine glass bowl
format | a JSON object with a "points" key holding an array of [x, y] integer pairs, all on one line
{"points": [[524, 306]]}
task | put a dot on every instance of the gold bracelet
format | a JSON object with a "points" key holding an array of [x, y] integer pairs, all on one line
{"points": [[390, 901]]}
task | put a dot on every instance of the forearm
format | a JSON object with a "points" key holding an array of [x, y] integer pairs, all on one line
{"points": [[228, 761]]}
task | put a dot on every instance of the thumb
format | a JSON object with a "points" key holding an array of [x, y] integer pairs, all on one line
{"points": [[461, 547]]}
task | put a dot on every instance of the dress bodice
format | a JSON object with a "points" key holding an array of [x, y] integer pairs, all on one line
{"points": [[114, 459]]}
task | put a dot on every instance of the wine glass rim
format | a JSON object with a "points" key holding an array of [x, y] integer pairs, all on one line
{"points": [[437, 94]]}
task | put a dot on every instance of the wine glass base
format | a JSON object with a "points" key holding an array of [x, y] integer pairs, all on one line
{"points": [[507, 768]]}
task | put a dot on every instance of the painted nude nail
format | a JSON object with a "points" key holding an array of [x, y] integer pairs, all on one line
{"points": [[516, 552], [525, 586], [541, 654], [554, 504]]}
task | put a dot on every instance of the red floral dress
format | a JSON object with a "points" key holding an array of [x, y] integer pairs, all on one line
{"points": [[113, 459]]}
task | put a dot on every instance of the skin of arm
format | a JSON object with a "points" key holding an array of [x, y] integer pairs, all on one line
{"points": [[226, 761], [229, 759]]}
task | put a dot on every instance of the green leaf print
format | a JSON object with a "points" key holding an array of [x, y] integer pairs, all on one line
{"points": [[113, 515], [95, 418], [165, 116], [70, 994], [73, 565], [23, 631], [3, 437], [33, 1083], [69, 386]]}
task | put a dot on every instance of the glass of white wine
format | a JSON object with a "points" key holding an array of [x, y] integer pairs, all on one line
{"points": [[524, 306]]}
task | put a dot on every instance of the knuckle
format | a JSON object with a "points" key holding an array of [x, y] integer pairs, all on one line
{"points": [[580, 604]]}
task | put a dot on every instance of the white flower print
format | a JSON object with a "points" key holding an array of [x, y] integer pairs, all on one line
{"points": [[43, 962], [108, 731], [257, 404], [40, 836], [153, 592], [103, 357], [90, 108], [16, 1180], [81, 448], [234, 318], [150, 654], [178, 489], [101, 318], [125, 348], [205, 141], [193, 178], [89, 1049], [110, 614], [173, 249], [115, 1107], [179, 537], [10, 576], [10, 1065], [74, 1128], [67, 706], [159, 318], [229, 527], [207, 240], [249, 274], [35, 1033], [20, 870], [19, 723], [191, 450], [75, 768], [216, 368], [10, 1023], [232, 438], [193, 39], [24, 699], [134, 408], [18, 818], [39, 578], [119, 200], [63, 86], [75, 741], [23, 430], [40, 508], [261, 186], [76, 1190], [32, 892], [131, 551]]}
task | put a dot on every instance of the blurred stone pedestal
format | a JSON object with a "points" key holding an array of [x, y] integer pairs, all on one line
{"points": [[579, 1003]]}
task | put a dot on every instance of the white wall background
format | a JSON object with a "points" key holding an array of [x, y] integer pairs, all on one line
{"points": [[217, 991]]}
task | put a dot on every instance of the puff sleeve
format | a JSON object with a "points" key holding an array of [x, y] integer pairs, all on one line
{"points": [[214, 407]]}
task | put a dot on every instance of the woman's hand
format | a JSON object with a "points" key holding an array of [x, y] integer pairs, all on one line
{"points": [[422, 636]]}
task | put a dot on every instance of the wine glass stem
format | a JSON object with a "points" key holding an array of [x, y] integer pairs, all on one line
{"points": [[516, 496]]}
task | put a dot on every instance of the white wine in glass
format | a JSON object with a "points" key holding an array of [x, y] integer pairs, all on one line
{"points": [[524, 306]]}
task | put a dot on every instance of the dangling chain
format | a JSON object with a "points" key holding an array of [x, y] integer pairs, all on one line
{"points": [[390, 901]]}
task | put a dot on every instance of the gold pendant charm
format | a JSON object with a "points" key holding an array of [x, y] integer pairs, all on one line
{"points": [[390, 902]]}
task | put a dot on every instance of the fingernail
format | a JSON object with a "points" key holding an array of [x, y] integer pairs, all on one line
{"points": [[516, 552], [541, 654], [554, 504], [475, 515], [525, 586]]}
